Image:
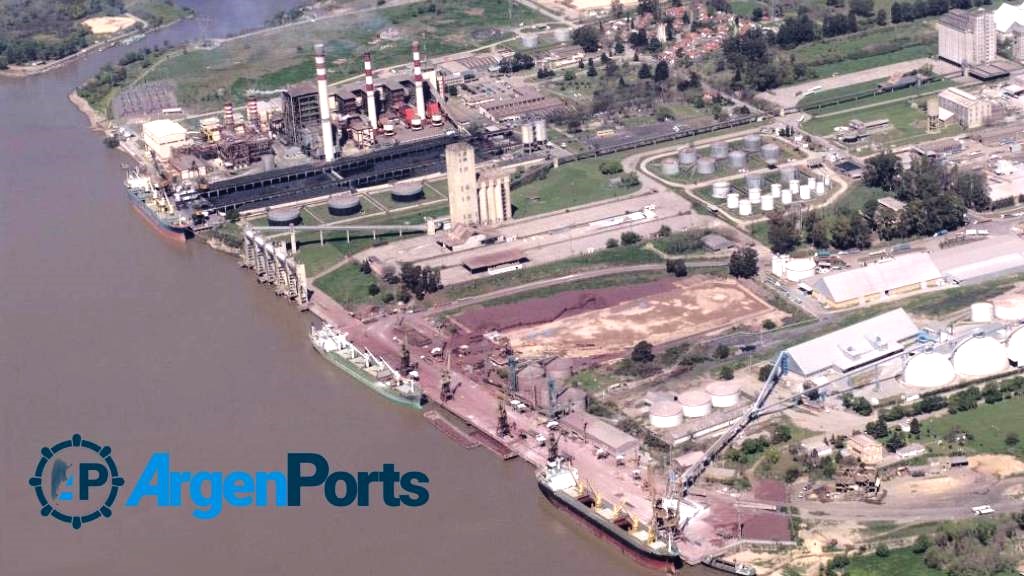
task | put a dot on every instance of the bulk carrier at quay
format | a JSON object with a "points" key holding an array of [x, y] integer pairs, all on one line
{"points": [[372, 371], [652, 546], [158, 210]]}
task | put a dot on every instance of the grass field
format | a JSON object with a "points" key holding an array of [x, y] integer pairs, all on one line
{"points": [[906, 123], [858, 195], [865, 50], [902, 562], [818, 97], [281, 56], [348, 286], [987, 424], [567, 186], [155, 12], [586, 284]]}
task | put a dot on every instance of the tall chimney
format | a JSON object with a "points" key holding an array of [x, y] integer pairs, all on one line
{"points": [[371, 96], [252, 114], [229, 119], [326, 133], [417, 72]]}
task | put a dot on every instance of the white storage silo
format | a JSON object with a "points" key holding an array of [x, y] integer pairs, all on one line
{"points": [[695, 403], [754, 181], [687, 157], [812, 182], [776, 190], [928, 370], [980, 356], [540, 128], [705, 166], [724, 394], [787, 173], [754, 195], [771, 154], [820, 190], [666, 414], [794, 186], [982, 312], [752, 143], [1009, 307], [787, 197], [767, 203], [670, 167], [732, 201], [526, 133], [745, 208], [562, 34], [720, 189], [719, 150], [779, 264], [799, 269], [1015, 347], [737, 159], [805, 192]]}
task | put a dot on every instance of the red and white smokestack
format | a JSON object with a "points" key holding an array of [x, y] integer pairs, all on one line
{"points": [[252, 114], [229, 118], [371, 96], [417, 76], [326, 132]]}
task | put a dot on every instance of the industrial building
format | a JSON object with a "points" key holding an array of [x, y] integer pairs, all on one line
{"points": [[967, 38], [869, 450], [874, 282], [476, 199], [163, 136], [968, 110], [854, 346]]}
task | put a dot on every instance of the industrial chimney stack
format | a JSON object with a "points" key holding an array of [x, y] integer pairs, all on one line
{"points": [[327, 134], [371, 97], [417, 71], [229, 119], [252, 114]]}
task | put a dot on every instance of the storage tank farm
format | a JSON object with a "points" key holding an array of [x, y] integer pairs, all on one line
{"points": [[343, 204], [284, 216], [407, 192], [695, 403]]}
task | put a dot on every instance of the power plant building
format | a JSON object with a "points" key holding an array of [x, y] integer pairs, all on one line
{"points": [[473, 200], [969, 110], [967, 38], [162, 136]]}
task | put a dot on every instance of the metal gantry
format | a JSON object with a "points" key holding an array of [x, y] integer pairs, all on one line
{"points": [[273, 264]]}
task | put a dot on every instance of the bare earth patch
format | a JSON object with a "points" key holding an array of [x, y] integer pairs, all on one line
{"points": [[999, 465], [108, 24]]}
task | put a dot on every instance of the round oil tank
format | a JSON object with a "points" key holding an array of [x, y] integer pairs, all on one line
{"points": [[799, 269], [794, 186], [771, 153], [719, 150], [928, 370], [724, 394], [982, 312], [529, 40], [787, 173], [344, 204], [720, 189], [670, 167], [407, 192], [738, 159], [776, 190], [980, 356], [696, 403], [805, 192], [1015, 347], [389, 129], [666, 415], [745, 208], [732, 201], [562, 34], [754, 195], [284, 216], [417, 124], [526, 133], [687, 156], [787, 198], [754, 181], [767, 203], [705, 166], [1009, 307], [540, 129], [812, 182], [437, 120], [752, 142], [820, 189]]}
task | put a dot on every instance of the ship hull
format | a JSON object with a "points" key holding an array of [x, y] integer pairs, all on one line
{"points": [[165, 229], [611, 533], [385, 391]]}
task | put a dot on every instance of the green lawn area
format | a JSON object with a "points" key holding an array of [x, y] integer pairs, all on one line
{"points": [[906, 123], [858, 195], [910, 52], [902, 562], [348, 286], [867, 87], [567, 186], [282, 56], [951, 300], [586, 284], [155, 12], [987, 424], [876, 46]]}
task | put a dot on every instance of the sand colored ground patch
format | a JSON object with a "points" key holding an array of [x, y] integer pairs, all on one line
{"points": [[108, 24], [926, 487], [999, 465], [694, 306]]}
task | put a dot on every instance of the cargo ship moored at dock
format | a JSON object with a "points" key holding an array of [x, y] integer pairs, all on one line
{"points": [[723, 565], [156, 208]]}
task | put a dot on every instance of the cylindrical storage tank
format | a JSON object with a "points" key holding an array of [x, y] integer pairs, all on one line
{"points": [[805, 192], [541, 129], [980, 356], [389, 129], [407, 192], [754, 195], [1015, 347], [725, 394], [745, 208], [719, 150], [526, 133], [720, 189], [767, 203], [738, 159], [771, 153], [794, 186], [751, 143], [687, 156], [695, 403], [529, 40], [820, 189], [1009, 307], [828, 181], [787, 173], [779, 265], [666, 415], [928, 370], [812, 182], [562, 34], [705, 166], [284, 216], [787, 197], [343, 204], [754, 181], [670, 167], [437, 120], [732, 201], [982, 312], [416, 124], [776, 190], [798, 269]]}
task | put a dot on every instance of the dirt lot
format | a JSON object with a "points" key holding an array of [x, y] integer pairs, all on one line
{"points": [[693, 306], [108, 24], [998, 465]]}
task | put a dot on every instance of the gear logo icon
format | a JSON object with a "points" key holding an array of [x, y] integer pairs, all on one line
{"points": [[76, 481]]}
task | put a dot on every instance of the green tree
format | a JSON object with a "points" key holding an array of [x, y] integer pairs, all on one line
{"points": [[642, 352], [881, 19], [726, 373], [877, 429], [661, 71], [645, 71], [743, 263], [722, 352], [629, 238], [677, 267], [783, 235], [587, 37], [882, 171]]}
